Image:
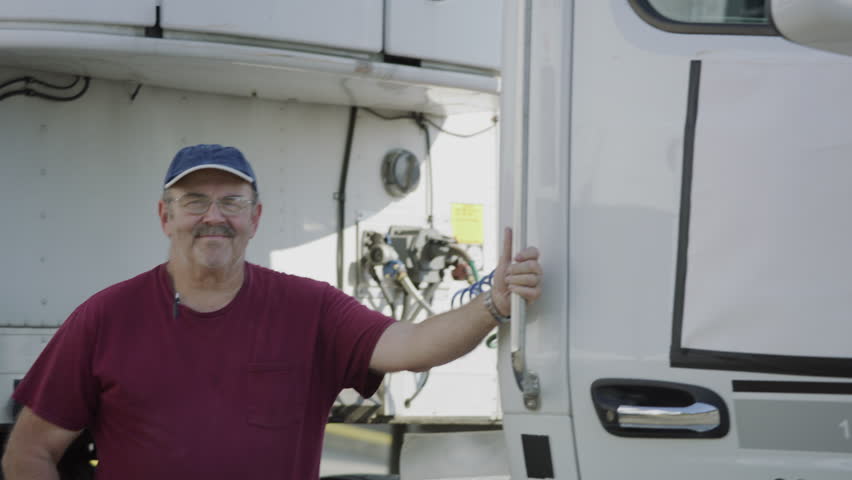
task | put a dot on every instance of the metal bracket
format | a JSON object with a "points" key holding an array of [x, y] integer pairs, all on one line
{"points": [[527, 381]]}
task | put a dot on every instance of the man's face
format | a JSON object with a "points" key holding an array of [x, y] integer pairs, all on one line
{"points": [[214, 239]]}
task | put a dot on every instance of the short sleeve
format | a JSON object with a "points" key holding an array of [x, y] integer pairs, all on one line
{"points": [[60, 387], [350, 333]]}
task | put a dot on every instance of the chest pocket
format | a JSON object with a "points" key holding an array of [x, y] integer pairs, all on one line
{"points": [[276, 394]]}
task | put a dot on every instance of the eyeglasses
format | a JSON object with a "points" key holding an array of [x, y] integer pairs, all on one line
{"points": [[198, 204]]}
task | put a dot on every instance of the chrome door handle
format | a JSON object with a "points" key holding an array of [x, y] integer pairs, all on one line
{"points": [[698, 417], [632, 407]]}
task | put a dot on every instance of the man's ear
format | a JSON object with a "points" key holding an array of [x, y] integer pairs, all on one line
{"points": [[255, 218], [163, 213]]}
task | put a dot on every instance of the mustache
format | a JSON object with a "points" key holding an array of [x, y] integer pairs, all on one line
{"points": [[223, 230]]}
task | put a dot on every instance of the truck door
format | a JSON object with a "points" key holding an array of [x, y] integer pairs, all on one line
{"points": [[708, 276]]}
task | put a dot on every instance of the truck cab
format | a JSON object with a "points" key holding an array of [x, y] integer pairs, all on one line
{"points": [[683, 167]]}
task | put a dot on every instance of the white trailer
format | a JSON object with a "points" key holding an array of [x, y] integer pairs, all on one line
{"points": [[682, 166], [97, 98]]}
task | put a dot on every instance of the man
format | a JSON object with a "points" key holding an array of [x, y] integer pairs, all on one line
{"points": [[210, 367]]}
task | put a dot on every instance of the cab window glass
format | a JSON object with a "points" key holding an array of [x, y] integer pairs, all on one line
{"points": [[741, 12]]}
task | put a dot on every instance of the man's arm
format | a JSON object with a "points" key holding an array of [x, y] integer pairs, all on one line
{"points": [[35, 447], [445, 337]]}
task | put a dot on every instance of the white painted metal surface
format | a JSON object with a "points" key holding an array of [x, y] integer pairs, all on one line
{"points": [[630, 103], [111, 12], [788, 243], [347, 24], [270, 73], [463, 33]]}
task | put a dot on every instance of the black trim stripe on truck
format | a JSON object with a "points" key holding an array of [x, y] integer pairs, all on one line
{"points": [[720, 360], [767, 386]]}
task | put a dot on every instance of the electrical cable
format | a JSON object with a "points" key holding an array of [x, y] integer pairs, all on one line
{"points": [[413, 115], [430, 189], [13, 81], [462, 135], [13, 93], [341, 194], [29, 92], [407, 116], [64, 99], [27, 80], [55, 87]]}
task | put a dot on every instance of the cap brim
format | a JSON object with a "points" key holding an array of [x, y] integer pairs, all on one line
{"points": [[213, 166]]}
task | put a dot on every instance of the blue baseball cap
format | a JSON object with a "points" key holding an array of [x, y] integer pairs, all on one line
{"points": [[199, 157]]}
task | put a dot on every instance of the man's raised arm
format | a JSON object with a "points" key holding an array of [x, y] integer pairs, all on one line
{"points": [[445, 337]]}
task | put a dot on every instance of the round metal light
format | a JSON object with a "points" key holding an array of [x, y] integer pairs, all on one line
{"points": [[400, 172]]}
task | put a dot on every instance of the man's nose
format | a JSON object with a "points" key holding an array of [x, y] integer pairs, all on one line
{"points": [[213, 214]]}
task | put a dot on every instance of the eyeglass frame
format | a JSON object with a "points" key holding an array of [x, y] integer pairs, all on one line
{"points": [[246, 203]]}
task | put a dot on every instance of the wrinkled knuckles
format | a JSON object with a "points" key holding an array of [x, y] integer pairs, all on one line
{"points": [[528, 266], [525, 280]]}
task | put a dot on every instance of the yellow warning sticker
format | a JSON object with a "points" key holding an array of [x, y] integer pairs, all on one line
{"points": [[466, 220]]}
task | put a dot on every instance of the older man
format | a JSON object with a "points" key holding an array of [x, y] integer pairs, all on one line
{"points": [[211, 367]]}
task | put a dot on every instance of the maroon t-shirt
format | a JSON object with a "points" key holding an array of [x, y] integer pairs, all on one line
{"points": [[240, 393]]}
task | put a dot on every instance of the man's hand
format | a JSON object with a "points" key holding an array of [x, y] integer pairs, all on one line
{"points": [[522, 277]]}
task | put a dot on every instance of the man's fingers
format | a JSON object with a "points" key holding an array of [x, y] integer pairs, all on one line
{"points": [[524, 280], [506, 258], [528, 266], [527, 293], [529, 253]]}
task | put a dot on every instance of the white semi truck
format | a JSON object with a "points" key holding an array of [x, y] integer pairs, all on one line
{"points": [[682, 165]]}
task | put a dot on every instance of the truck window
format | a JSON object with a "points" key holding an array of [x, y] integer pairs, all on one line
{"points": [[712, 11], [732, 17]]}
